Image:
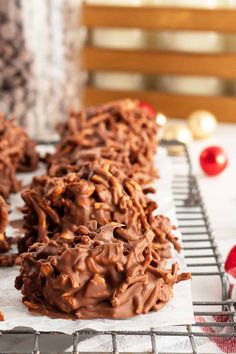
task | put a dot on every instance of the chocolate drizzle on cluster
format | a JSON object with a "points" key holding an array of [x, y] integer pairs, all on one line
{"points": [[120, 131], [96, 274], [17, 154]]}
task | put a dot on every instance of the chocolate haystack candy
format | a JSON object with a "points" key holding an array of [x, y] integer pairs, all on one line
{"points": [[17, 154], [7, 260], [96, 274], [119, 131], [4, 244], [98, 191]]}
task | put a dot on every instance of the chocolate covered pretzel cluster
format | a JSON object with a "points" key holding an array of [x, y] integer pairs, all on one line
{"points": [[94, 244], [96, 274], [4, 243], [17, 154], [120, 131], [56, 207]]}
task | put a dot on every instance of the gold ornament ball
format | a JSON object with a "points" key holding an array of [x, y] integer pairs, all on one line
{"points": [[161, 119], [202, 123], [178, 132]]}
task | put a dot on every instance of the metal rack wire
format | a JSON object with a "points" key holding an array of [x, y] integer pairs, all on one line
{"points": [[204, 261]]}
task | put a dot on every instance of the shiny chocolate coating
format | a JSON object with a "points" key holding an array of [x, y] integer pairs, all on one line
{"points": [[57, 207], [96, 274]]}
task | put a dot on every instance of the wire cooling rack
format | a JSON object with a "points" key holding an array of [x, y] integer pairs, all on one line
{"points": [[215, 320]]}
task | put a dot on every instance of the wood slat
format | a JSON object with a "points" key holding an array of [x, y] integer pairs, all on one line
{"points": [[159, 18], [173, 105], [222, 65]]}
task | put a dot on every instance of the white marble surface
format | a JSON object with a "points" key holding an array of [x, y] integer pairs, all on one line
{"points": [[219, 192]]}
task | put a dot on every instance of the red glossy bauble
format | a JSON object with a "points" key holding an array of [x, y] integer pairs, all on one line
{"points": [[148, 107], [213, 160], [230, 263]]}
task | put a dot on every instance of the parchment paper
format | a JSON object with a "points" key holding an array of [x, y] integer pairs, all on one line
{"points": [[177, 312]]}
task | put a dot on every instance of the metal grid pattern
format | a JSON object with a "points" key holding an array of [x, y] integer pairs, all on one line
{"points": [[204, 261]]}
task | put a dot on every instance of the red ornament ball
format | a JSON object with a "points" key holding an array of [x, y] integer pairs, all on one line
{"points": [[148, 107], [230, 263], [213, 160]]}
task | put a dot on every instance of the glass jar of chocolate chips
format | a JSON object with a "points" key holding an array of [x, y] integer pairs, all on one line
{"points": [[39, 71]]}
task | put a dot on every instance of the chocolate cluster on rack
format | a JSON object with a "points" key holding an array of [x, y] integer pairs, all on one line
{"points": [[96, 274], [58, 206], [120, 131], [4, 243], [94, 244], [17, 154]]}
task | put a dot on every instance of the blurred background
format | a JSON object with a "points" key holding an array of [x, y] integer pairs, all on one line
{"points": [[44, 69]]}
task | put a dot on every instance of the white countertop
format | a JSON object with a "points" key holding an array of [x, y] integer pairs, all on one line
{"points": [[219, 192]]}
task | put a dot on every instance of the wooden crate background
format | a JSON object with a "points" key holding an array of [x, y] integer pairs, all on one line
{"points": [[148, 61]]}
